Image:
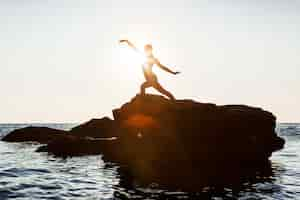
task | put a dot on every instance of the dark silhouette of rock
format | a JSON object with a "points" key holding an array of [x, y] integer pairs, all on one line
{"points": [[173, 140], [70, 145], [96, 128], [34, 134], [179, 143]]}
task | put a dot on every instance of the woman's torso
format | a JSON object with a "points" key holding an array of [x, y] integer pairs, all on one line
{"points": [[147, 69]]}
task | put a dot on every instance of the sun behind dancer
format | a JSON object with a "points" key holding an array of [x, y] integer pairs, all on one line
{"points": [[151, 78]]}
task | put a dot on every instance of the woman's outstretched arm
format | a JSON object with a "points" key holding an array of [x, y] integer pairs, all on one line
{"points": [[129, 44], [165, 68]]}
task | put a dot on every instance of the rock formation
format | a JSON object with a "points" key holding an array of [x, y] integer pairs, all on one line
{"points": [[96, 128], [42, 135], [171, 142]]}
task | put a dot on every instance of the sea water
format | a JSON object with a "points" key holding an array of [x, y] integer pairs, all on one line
{"points": [[26, 174]]}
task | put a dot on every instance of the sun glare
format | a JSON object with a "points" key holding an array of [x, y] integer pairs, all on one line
{"points": [[130, 58], [129, 61]]}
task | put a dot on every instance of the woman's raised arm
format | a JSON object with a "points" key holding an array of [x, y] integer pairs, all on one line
{"points": [[130, 44]]}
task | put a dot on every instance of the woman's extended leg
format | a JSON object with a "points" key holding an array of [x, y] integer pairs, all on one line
{"points": [[158, 87], [144, 86]]}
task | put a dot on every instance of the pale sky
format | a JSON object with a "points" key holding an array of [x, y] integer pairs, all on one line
{"points": [[61, 61]]}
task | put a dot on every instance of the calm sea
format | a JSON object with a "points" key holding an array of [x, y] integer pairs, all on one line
{"points": [[25, 174]]}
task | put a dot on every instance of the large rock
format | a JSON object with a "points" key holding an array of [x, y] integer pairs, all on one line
{"points": [[240, 131], [167, 141], [34, 134]]}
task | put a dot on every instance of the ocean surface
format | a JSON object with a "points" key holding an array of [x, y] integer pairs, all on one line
{"points": [[25, 174]]}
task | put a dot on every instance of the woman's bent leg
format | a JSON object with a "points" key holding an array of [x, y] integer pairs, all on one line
{"points": [[158, 87], [143, 87]]}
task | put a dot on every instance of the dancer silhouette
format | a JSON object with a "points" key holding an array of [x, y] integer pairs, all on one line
{"points": [[151, 78]]}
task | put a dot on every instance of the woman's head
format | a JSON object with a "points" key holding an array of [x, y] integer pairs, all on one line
{"points": [[148, 49]]}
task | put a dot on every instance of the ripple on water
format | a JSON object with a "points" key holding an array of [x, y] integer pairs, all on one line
{"points": [[24, 172]]}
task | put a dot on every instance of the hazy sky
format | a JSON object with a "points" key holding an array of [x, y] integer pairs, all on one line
{"points": [[61, 62]]}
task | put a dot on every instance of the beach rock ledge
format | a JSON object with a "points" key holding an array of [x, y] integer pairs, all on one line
{"points": [[172, 142]]}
